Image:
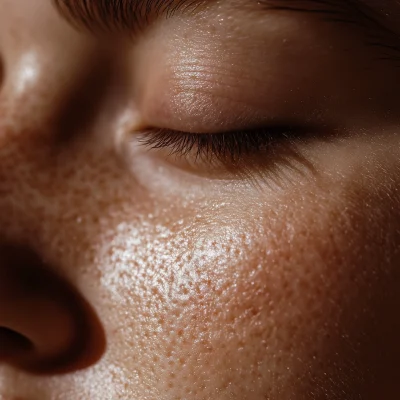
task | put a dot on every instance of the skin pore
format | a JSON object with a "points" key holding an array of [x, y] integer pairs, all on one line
{"points": [[149, 251]]}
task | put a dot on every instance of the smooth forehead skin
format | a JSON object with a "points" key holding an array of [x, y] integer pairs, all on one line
{"points": [[197, 288]]}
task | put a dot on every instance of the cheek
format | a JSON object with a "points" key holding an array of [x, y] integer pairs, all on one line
{"points": [[224, 298], [277, 303], [245, 299]]}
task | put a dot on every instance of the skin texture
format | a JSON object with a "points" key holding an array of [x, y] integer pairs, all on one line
{"points": [[128, 274]]}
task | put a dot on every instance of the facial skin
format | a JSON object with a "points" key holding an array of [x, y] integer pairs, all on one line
{"points": [[128, 273]]}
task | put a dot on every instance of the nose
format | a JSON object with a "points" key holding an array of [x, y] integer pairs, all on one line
{"points": [[46, 325], [46, 67]]}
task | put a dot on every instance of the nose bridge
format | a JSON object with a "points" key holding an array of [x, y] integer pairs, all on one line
{"points": [[40, 57], [43, 61]]}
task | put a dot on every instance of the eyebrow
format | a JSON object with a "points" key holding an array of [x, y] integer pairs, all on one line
{"points": [[132, 15], [135, 15]]}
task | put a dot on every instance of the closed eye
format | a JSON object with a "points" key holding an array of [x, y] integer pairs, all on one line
{"points": [[239, 154], [229, 148]]}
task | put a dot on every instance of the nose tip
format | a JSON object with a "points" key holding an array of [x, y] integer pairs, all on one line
{"points": [[45, 325]]}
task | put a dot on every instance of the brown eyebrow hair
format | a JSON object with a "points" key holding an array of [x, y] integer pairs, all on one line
{"points": [[135, 14], [130, 15]]}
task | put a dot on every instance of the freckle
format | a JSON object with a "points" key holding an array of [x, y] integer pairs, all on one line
{"points": [[161, 322], [185, 291], [182, 361], [154, 291]]}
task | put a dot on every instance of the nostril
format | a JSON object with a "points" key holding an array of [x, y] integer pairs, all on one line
{"points": [[12, 342], [46, 326]]}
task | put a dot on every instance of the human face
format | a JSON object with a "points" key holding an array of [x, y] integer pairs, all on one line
{"points": [[199, 200]]}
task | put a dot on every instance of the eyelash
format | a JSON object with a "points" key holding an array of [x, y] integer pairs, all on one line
{"points": [[227, 148]]}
